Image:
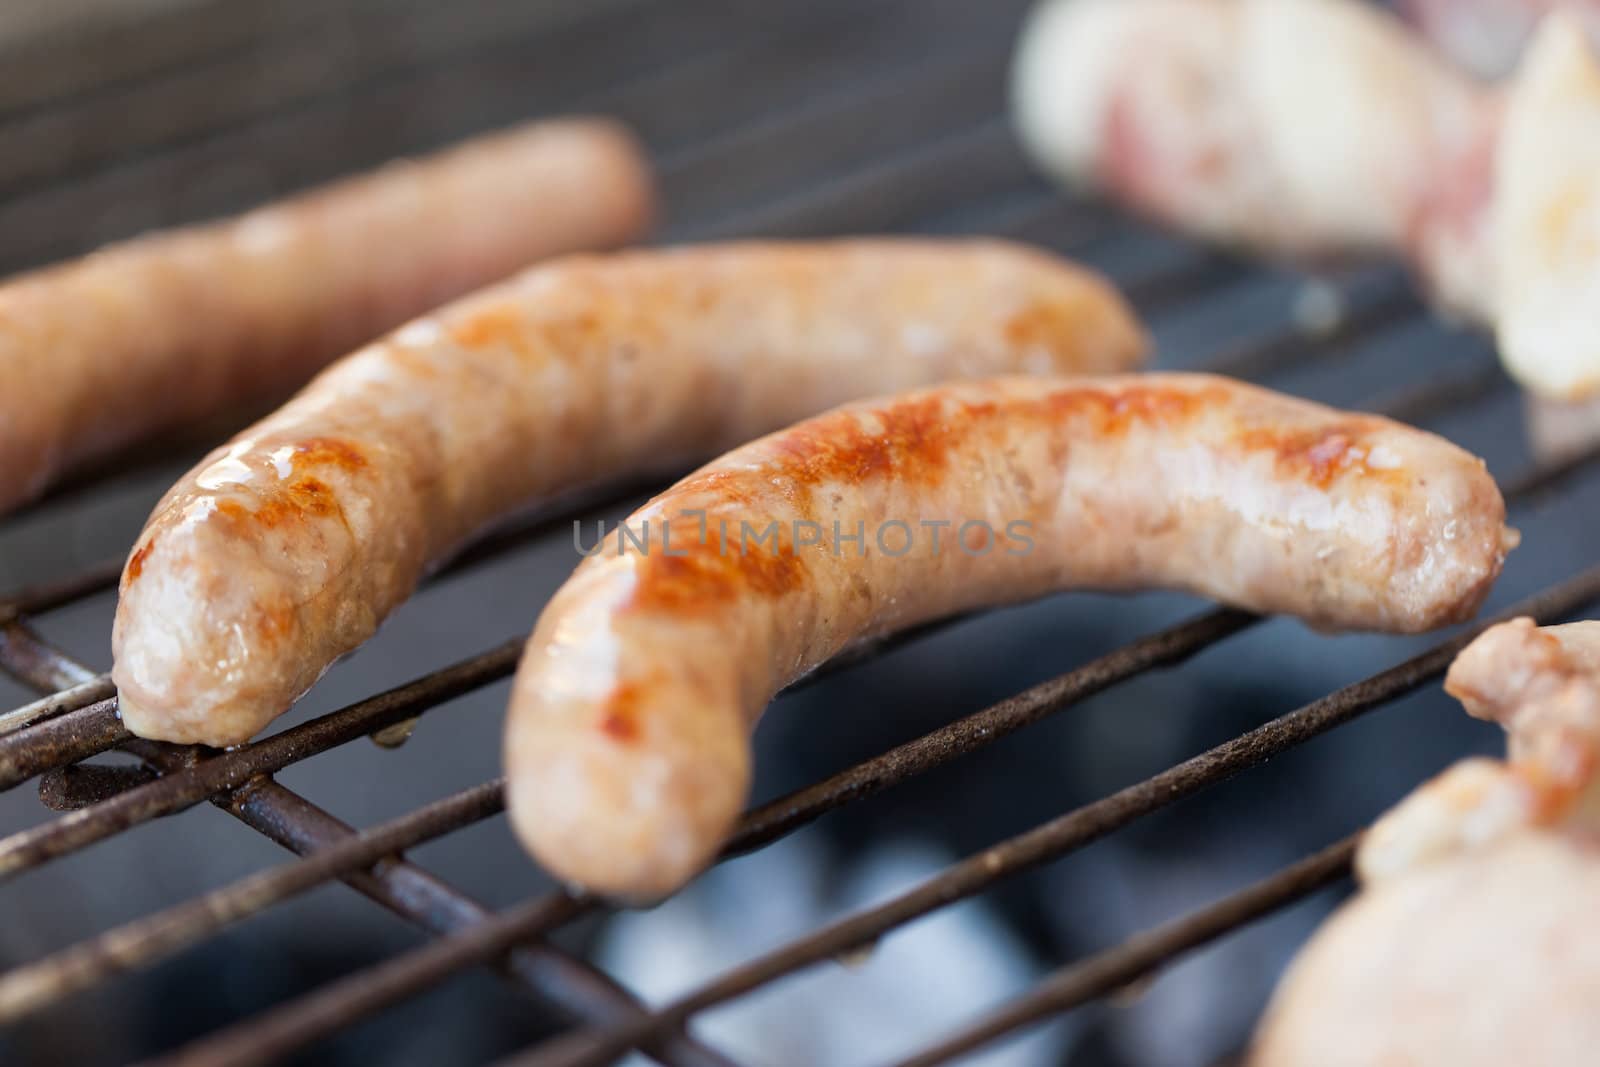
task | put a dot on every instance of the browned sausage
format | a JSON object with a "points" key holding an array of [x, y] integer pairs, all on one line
{"points": [[627, 742], [151, 334], [286, 548]]}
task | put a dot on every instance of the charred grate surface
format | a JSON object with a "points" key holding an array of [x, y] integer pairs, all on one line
{"points": [[797, 119]]}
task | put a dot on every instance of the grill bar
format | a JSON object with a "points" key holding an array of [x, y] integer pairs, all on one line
{"points": [[1070, 831], [1369, 311], [207, 774], [1167, 648], [428, 901], [303, 144], [280, 1031], [154, 937], [61, 740], [297, 824], [20, 654], [74, 698], [1141, 955]]}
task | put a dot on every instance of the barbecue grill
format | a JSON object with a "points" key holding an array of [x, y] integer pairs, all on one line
{"points": [[766, 119]]}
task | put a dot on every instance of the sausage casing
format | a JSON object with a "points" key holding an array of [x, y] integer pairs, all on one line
{"points": [[627, 740]]}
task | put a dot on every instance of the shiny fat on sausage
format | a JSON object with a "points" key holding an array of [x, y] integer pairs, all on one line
{"points": [[151, 334], [287, 547], [627, 747]]}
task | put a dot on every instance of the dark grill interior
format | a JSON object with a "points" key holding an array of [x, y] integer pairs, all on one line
{"points": [[795, 119]]}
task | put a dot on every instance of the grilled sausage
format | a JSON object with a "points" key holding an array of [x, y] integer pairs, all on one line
{"points": [[181, 325], [1488, 36], [627, 740], [1488, 958], [286, 548]]}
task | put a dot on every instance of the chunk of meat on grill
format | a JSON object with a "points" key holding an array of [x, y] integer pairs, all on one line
{"points": [[1485, 959], [1466, 944], [286, 548], [183, 325], [627, 740], [1318, 128], [1488, 36], [1547, 213], [1303, 127]]}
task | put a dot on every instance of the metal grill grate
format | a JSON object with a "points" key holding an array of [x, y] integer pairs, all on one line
{"points": [[796, 119]]}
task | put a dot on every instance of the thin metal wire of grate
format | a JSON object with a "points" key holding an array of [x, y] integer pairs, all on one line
{"points": [[955, 170]]}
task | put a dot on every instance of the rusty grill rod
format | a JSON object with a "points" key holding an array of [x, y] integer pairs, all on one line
{"points": [[1143, 954], [787, 814], [1065, 833], [301, 826], [74, 698], [143, 941], [210, 774], [559, 979], [267, 1038]]}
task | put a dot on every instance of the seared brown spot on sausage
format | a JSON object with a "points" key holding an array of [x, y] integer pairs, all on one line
{"points": [[274, 621], [571, 335], [136, 561], [501, 326], [1318, 455], [697, 575], [619, 719], [303, 498], [910, 444], [1113, 413], [727, 485], [327, 451]]}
